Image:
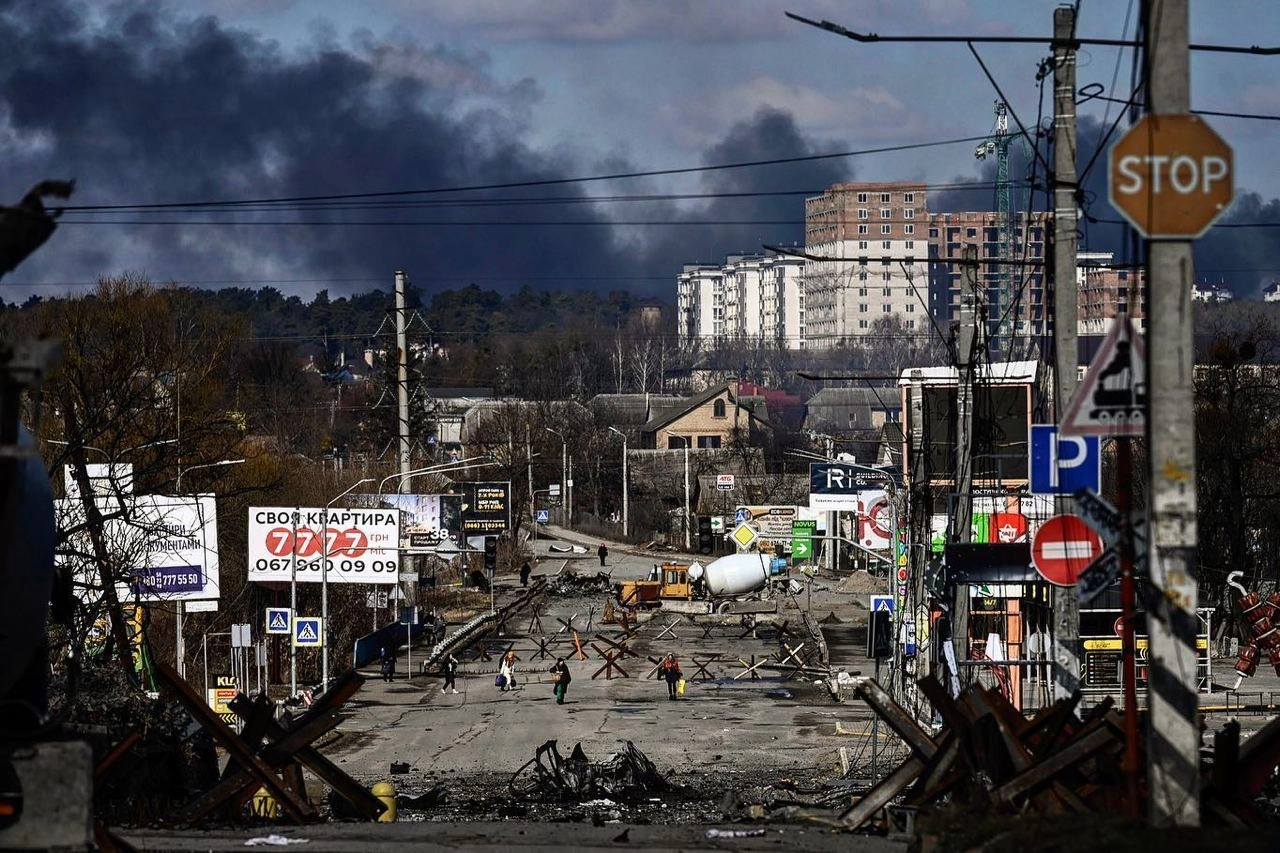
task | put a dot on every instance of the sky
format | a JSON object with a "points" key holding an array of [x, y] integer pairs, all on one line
{"points": [[457, 134]]}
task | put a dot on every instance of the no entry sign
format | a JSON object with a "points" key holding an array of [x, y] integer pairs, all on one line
{"points": [[1064, 546]]}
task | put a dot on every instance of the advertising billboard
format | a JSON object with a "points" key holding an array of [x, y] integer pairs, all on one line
{"points": [[425, 520], [362, 544], [486, 508], [160, 547]]}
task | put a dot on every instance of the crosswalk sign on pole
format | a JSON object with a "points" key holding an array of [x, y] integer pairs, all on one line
{"points": [[308, 631], [277, 620]]}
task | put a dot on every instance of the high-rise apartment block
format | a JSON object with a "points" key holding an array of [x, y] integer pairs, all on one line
{"points": [[748, 299], [871, 241]]}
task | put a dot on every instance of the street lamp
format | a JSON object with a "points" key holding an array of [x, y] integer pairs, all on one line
{"points": [[564, 475], [324, 585], [688, 513], [625, 517], [180, 645]]}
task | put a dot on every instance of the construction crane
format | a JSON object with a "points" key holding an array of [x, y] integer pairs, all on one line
{"points": [[997, 145]]}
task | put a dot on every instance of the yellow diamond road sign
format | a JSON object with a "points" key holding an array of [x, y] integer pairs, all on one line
{"points": [[744, 534]]}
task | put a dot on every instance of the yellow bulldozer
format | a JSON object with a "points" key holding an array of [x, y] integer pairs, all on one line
{"points": [[665, 581]]}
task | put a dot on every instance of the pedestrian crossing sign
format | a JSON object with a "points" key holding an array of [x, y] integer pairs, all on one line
{"points": [[277, 620], [308, 631]]}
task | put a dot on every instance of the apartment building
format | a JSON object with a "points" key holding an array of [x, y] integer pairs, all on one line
{"points": [[748, 299], [872, 239], [1015, 293], [1106, 290]]}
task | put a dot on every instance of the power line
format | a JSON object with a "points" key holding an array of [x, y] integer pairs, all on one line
{"points": [[548, 182]]}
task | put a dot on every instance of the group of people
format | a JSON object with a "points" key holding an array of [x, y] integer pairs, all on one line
{"points": [[560, 676], [669, 671]]}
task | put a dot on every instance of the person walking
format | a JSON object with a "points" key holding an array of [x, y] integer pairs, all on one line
{"points": [[524, 574], [670, 672], [388, 665], [507, 672], [602, 552], [450, 674], [560, 677]]}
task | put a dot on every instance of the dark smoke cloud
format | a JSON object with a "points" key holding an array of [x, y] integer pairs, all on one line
{"points": [[1245, 259], [152, 105]]}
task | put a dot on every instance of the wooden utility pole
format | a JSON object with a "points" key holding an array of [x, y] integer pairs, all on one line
{"points": [[1066, 601], [1173, 735]]}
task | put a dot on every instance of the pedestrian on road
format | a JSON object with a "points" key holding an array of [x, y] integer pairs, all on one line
{"points": [[602, 552], [670, 672], [508, 672], [450, 674], [388, 665], [524, 573], [560, 677]]}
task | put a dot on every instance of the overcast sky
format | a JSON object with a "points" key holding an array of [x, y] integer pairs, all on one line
{"points": [[239, 100]]}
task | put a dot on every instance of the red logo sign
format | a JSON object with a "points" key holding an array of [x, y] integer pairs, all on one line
{"points": [[1064, 547]]}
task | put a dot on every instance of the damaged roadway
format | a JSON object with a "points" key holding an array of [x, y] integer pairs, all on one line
{"points": [[725, 749]]}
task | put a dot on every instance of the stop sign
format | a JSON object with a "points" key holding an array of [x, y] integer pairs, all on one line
{"points": [[1170, 175], [1063, 547]]}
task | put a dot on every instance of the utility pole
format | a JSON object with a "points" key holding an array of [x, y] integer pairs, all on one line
{"points": [[1173, 735], [402, 423], [967, 350], [1065, 599]]}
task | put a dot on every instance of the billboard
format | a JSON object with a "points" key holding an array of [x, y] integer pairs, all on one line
{"points": [[161, 547], [425, 520], [486, 508], [286, 543], [773, 524]]}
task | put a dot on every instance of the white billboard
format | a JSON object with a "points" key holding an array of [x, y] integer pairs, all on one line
{"points": [[287, 543], [159, 547]]}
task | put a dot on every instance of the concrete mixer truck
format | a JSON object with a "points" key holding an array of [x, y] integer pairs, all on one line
{"points": [[694, 588]]}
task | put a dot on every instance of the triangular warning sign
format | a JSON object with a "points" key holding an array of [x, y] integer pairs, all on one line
{"points": [[307, 633], [279, 621], [1112, 400]]}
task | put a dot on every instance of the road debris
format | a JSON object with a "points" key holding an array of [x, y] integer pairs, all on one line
{"points": [[274, 841], [572, 584], [626, 776]]}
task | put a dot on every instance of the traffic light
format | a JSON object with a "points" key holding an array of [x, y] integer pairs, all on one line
{"points": [[704, 534], [491, 554]]}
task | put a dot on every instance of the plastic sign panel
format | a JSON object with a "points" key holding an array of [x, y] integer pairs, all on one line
{"points": [[165, 547], [362, 545], [543, 516], [802, 531], [835, 486], [1064, 464], [278, 621], [308, 631], [1063, 547], [1112, 399]]}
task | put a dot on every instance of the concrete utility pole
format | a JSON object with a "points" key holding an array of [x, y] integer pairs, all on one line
{"points": [[1066, 601], [402, 421], [1173, 736], [962, 513]]}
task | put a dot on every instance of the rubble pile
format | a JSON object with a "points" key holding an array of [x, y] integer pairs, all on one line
{"points": [[625, 776], [572, 584]]}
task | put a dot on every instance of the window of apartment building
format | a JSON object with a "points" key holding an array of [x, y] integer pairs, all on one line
{"points": [[885, 213], [933, 232], [862, 213], [971, 232], [708, 442], [911, 324], [862, 275], [885, 275], [862, 229], [862, 324], [884, 198], [862, 307], [717, 409], [909, 228], [909, 198], [888, 308], [909, 213], [862, 244], [862, 291], [886, 245], [862, 198], [911, 308], [910, 244], [909, 259], [888, 291], [886, 228]]}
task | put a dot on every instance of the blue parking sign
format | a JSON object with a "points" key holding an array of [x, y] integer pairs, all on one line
{"points": [[1064, 464]]}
